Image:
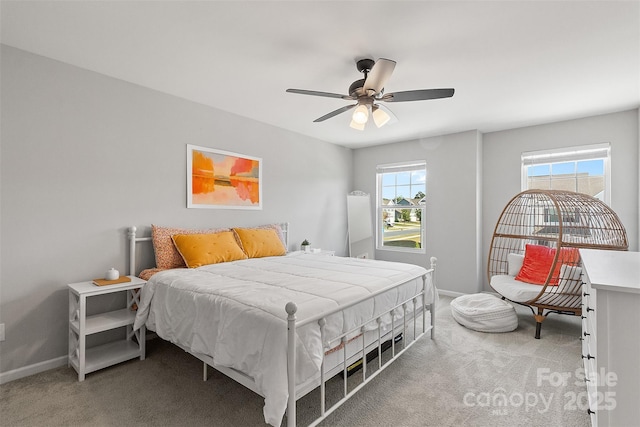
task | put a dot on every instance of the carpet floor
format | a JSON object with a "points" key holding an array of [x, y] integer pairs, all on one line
{"points": [[462, 377]]}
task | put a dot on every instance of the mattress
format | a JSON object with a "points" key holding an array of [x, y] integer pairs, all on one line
{"points": [[234, 312]]}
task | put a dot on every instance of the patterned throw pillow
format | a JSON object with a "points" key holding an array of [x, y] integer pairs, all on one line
{"points": [[167, 256]]}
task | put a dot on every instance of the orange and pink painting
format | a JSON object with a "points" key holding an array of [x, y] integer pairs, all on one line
{"points": [[221, 179]]}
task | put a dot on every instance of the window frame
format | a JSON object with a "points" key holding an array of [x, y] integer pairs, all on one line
{"points": [[416, 165], [601, 151]]}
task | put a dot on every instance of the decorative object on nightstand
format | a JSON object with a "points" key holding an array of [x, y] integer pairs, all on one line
{"points": [[112, 274], [117, 280], [305, 245], [85, 360]]}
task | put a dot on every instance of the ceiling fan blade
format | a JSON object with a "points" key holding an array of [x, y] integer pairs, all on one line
{"points": [[334, 113], [417, 95], [379, 74], [316, 93]]}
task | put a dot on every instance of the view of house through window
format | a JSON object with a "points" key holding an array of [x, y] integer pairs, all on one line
{"points": [[401, 206], [583, 169]]}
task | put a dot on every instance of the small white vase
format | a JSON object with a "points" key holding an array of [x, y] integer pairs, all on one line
{"points": [[112, 274]]}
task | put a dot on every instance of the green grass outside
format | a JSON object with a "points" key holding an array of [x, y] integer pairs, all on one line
{"points": [[403, 243]]}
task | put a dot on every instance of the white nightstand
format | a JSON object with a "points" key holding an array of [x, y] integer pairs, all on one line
{"points": [[85, 360], [311, 252], [323, 252]]}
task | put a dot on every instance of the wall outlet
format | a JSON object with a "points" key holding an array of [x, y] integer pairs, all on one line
{"points": [[363, 256], [1, 331]]}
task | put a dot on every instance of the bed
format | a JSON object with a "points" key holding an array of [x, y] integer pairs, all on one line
{"points": [[283, 325]]}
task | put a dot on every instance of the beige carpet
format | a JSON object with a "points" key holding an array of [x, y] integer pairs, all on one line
{"points": [[460, 378]]}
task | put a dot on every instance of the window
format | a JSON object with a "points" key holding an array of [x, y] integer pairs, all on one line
{"points": [[401, 206], [583, 169]]}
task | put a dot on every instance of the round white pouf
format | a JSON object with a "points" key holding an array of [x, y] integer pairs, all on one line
{"points": [[484, 313]]}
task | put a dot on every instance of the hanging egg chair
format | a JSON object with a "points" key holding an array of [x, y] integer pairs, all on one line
{"points": [[534, 258]]}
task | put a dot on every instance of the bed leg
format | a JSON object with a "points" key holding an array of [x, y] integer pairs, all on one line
{"points": [[204, 372], [291, 309]]}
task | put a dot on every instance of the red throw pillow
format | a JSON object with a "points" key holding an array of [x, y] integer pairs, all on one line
{"points": [[538, 260]]}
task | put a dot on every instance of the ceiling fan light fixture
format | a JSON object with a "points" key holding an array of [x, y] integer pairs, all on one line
{"points": [[380, 117], [360, 115], [357, 126]]}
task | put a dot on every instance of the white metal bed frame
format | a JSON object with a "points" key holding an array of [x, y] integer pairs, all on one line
{"points": [[296, 393]]}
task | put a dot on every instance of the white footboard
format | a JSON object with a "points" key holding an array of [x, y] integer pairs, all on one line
{"points": [[419, 312]]}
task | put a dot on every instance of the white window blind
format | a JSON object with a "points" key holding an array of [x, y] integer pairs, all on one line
{"points": [[584, 169], [585, 152]]}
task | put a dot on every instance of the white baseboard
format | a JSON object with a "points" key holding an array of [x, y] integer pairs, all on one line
{"points": [[450, 293], [36, 368]]}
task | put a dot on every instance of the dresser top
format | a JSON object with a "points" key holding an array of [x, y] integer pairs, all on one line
{"points": [[612, 270]]}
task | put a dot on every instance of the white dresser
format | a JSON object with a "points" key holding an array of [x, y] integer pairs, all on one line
{"points": [[611, 336]]}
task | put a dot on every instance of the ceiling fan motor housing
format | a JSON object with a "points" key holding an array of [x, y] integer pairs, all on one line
{"points": [[365, 65], [355, 89]]}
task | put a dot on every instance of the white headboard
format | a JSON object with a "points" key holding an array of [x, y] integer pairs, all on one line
{"points": [[133, 240]]}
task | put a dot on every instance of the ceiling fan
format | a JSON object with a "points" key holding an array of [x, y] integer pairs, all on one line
{"points": [[369, 91]]}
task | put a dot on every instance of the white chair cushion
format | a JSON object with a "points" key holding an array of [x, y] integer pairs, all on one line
{"points": [[513, 289], [514, 263], [484, 313]]}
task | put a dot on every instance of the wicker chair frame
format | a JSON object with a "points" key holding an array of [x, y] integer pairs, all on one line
{"points": [[556, 219]]}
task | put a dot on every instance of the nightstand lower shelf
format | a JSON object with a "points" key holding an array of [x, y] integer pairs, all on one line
{"points": [[105, 355]]}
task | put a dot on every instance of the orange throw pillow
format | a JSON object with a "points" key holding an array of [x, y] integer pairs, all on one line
{"points": [[538, 260], [258, 243], [205, 249]]}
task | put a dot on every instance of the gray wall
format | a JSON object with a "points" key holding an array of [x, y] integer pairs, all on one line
{"points": [[452, 204], [84, 156], [501, 163], [471, 177]]}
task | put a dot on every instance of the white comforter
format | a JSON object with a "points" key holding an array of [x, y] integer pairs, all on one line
{"points": [[234, 312]]}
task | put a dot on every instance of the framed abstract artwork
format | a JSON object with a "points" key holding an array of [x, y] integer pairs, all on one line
{"points": [[219, 179]]}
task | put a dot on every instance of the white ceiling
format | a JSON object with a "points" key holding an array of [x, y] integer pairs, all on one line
{"points": [[512, 63]]}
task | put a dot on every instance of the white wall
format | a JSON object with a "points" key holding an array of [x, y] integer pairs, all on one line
{"points": [[84, 156], [453, 203], [502, 173]]}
